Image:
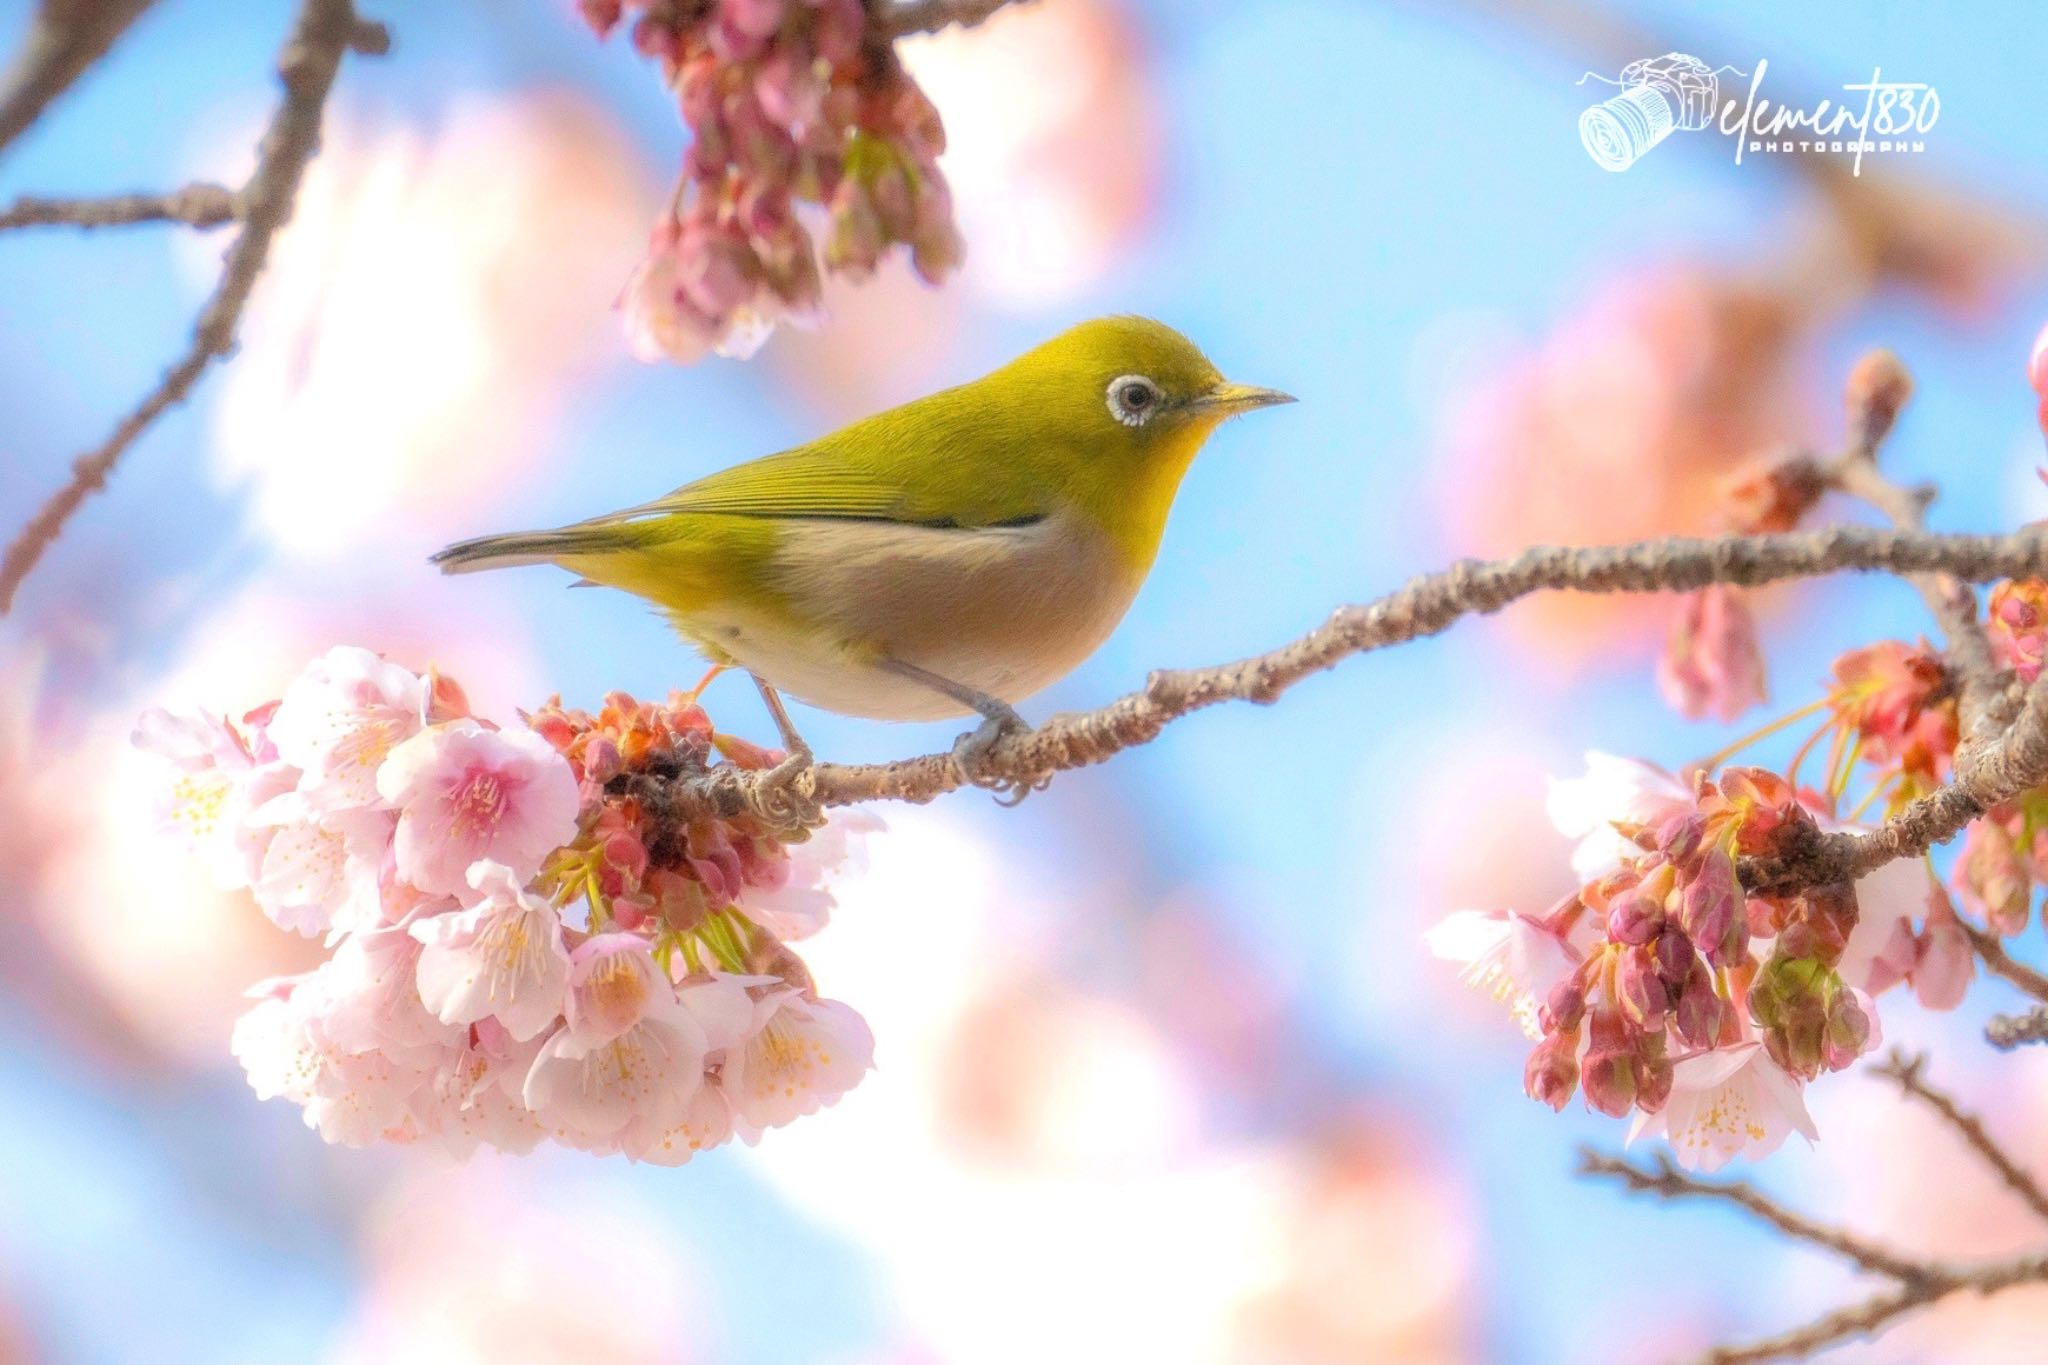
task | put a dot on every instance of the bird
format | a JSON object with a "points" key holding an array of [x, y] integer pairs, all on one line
{"points": [[949, 557]]}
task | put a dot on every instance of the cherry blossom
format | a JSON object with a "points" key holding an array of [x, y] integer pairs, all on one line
{"points": [[1614, 791], [502, 957], [1731, 1102], [466, 793], [1513, 958], [340, 719], [1712, 665], [630, 1049], [802, 1055]]}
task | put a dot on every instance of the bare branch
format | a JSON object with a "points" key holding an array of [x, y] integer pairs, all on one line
{"points": [[1426, 606], [1664, 1179], [1907, 1070], [323, 32], [1991, 949], [2008, 1031], [1857, 1320], [196, 205], [64, 38], [901, 18]]}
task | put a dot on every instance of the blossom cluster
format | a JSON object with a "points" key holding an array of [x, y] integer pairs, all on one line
{"points": [[526, 943], [789, 102], [1660, 989]]}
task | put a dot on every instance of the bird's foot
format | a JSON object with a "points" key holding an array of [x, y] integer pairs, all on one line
{"points": [[786, 795], [971, 753]]}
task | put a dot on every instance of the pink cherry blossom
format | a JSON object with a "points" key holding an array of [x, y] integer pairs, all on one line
{"points": [[1712, 664], [802, 1055], [466, 793], [1513, 958], [367, 999], [218, 781], [350, 1097], [724, 1009], [340, 719], [1613, 789], [475, 1100], [501, 958], [319, 870], [1731, 1102], [800, 905], [630, 1049]]}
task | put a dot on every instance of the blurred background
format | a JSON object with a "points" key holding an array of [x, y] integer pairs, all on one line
{"points": [[1163, 1070]]}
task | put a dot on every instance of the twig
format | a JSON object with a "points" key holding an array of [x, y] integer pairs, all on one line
{"points": [[1919, 1282], [1664, 1179], [901, 18], [1907, 1070], [1991, 949], [1426, 606], [196, 205], [65, 38], [322, 33], [2008, 1031]]}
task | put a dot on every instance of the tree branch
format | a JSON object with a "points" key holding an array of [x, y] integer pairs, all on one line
{"points": [[2008, 1031], [312, 53], [196, 205], [64, 38], [1991, 949], [901, 18], [1664, 1179], [1919, 1282], [1426, 606], [1907, 1070]]}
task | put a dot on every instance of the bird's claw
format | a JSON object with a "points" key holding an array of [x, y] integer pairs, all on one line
{"points": [[785, 795], [971, 752]]}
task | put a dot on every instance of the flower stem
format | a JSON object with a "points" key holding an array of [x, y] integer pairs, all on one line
{"points": [[1720, 756]]}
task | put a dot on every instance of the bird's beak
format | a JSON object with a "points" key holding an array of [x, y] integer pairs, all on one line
{"points": [[1231, 399]]}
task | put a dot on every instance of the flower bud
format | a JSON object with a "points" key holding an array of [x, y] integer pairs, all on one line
{"points": [[1635, 919], [1944, 958], [1772, 496], [1552, 1073], [1675, 957], [1641, 990], [1653, 1075], [1566, 1005], [1700, 1009], [1712, 664], [1609, 1079], [1708, 910], [1878, 388], [2017, 622], [1847, 1034]]}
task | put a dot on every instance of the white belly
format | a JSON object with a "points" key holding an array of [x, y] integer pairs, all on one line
{"points": [[1006, 611]]}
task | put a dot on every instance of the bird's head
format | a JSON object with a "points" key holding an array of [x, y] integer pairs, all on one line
{"points": [[1133, 387]]}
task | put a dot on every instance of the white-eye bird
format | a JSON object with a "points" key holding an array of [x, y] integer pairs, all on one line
{"points": [[952, 555]]}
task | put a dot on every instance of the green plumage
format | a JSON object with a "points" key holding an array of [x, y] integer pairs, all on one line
{"points": [[958, 488]]}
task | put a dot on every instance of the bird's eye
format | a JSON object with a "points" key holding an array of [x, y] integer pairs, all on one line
{"points": [[1132, 399]]}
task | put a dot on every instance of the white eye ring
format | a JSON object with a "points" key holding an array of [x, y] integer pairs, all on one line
{"points": [[1133, 399]]}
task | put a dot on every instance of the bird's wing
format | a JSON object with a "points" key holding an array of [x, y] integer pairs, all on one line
{"points": [[880, 469]]}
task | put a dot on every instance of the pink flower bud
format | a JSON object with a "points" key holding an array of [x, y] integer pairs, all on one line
{"points": [[1635, 919], [1680, 837], [1711, 663], [1847, 1035], [1992, 877], [1566, 1005], [602, 15], [1609, 1080], [1552, 1073], [1944, 958], [1700, 1009], [1653, 1075], [1709, 910], [2017, 621], [1641, 990]]}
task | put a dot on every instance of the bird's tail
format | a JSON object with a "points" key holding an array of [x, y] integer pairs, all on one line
{"points": [[531, 547]]}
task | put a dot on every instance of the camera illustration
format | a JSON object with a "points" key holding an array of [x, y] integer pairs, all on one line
{"points": [[1658, 94]]}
